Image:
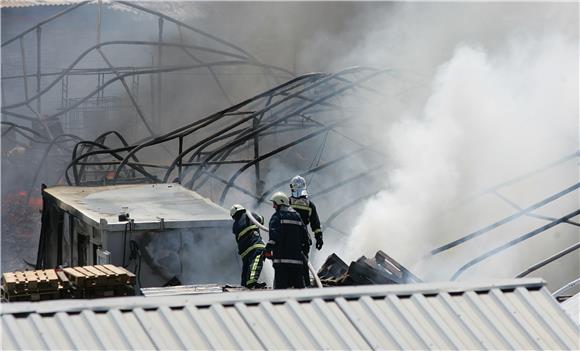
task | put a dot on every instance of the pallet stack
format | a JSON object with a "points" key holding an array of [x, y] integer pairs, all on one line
{"points": [[88, 282], [31, 286], [85, 282]]}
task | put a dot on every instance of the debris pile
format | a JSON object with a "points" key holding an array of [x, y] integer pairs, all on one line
{"points": [[69, 283], [381, 269]]}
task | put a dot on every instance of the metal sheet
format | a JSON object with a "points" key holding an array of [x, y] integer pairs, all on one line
{"points": [[147, 204], [520, 314], [29, 3]]}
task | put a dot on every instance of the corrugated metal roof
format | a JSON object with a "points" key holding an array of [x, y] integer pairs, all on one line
{"points": [[572, 308], [29, 3], [509, 315]]}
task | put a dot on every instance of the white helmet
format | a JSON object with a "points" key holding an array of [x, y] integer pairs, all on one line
{"points": [[298, 187], [235, 209], [279, 198]]}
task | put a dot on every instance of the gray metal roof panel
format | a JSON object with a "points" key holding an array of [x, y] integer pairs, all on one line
{"points": [[30, 3], [518, 314], [147, 204]]}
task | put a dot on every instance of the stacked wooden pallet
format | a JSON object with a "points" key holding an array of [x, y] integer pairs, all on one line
{"points": [[73, 282], [89, 282], [31, 285]]}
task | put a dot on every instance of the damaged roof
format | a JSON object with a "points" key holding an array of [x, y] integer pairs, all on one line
{"points": [[516, 314]]}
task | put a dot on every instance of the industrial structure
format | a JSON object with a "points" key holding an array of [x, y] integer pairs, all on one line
{"points": [[159, 231], [138, 183]]}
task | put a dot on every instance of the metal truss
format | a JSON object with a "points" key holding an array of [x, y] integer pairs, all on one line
{"points": [[527, 211], [219, 54], [305, 109], [304, 121]]}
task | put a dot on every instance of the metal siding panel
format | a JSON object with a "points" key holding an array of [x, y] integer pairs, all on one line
{"points": [[41, 329], [236, 328], [480, 318], [531, 322], [194, 339], [7, 340], [355, 321], [349, 333], [370, 323], [406, 336], [103, 339], [502, 320], [441, 327], [546, 303], [260, 326], [284, 333], [546, 322], [286, 320], [15, 332], [130, 330], [309, 329], [29, 332], [422, 325], [516, 322], [420, 338], [110, 330], [155, 328], [57, 333], [195, 317], [212, 326], [176, 330], [81, 330], [471, 336]]}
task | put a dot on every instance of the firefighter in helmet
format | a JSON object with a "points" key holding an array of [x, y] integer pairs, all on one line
{"points": [[250, 245], [300, 202], [288, 240]]}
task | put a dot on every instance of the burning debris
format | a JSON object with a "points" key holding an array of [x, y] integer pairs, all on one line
{"points": [[381, 269]]}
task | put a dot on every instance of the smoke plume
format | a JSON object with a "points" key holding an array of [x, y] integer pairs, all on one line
{"points": [[502, 101]]}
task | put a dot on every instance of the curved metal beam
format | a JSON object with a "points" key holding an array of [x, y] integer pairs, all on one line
{"points": [[511, 243], [548, 260], [501, 222]]}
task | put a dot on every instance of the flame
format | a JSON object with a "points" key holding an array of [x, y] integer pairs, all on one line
{"points": [[35, 202]]}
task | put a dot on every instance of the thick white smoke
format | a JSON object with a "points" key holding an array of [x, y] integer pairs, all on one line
{"points": [[491, 115]]}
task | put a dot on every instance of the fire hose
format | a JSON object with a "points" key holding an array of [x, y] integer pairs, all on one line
{"points": [[310, 266]]}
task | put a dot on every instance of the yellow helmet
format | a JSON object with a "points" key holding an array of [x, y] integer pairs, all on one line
{"points": [[279, 198]]}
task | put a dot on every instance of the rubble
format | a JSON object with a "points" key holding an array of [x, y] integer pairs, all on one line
{"points": [[381, 269]]}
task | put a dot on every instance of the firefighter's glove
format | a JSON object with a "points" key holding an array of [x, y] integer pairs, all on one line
{"points": [[319, 241], [268, 251]]}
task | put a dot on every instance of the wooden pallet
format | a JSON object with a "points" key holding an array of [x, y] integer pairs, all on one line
{"points": [[29, 296], [30, 281], [71, 282], [99, 276]]}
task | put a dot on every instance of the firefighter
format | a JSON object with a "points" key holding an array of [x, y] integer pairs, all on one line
{"points": [[288, 240], [299, 201], [250, 245]]}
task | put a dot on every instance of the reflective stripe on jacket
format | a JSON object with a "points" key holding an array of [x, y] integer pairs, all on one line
{"points": [[307, 211], [288, 236]]}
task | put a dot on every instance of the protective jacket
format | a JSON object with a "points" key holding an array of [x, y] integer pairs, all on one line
{"points": [[307, 211], [288, 237], [247, 234]]}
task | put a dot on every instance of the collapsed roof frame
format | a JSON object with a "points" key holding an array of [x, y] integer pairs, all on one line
{"points": [[285, 104], [527, 211], [206, 164], [228, 54]]}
